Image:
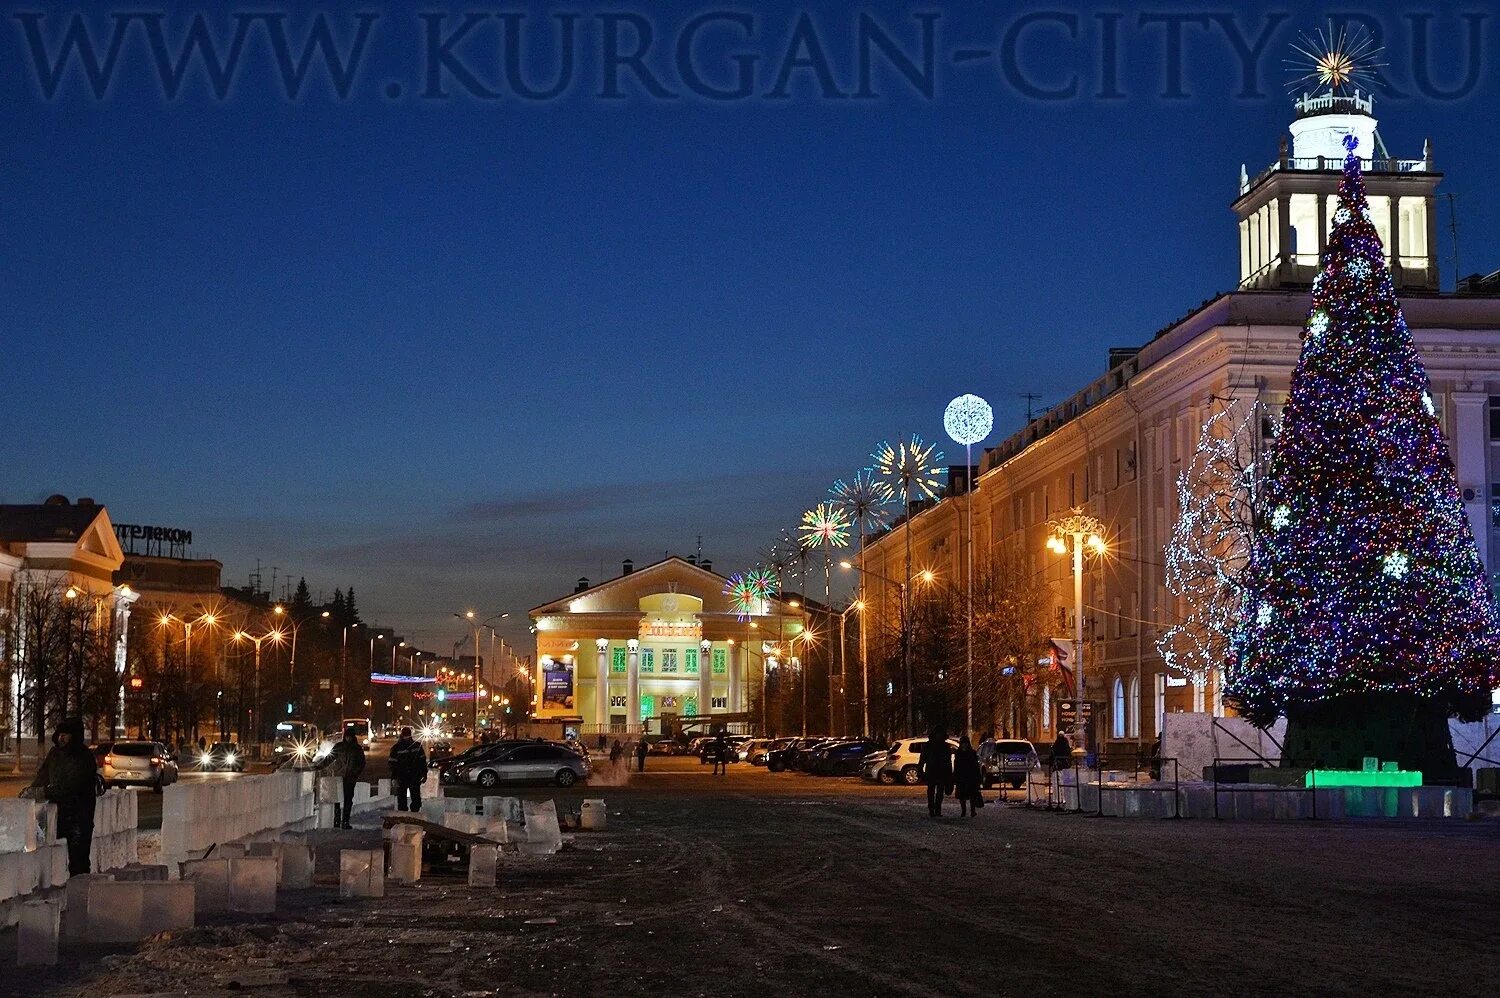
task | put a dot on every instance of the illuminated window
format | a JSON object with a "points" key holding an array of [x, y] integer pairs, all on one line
{"points": [[648, 706], [690, 661], [617, 660], [690, 706], [1119, 711], [1135, 707], [617, 701], [720, 661], [720, 703], [669, 660], [648, 660]]}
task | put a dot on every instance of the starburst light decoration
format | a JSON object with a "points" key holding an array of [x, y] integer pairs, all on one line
{"points": [[764, 580], [865, 500], [825, 525], [744, 595], [909, 467], [1335, 59]]}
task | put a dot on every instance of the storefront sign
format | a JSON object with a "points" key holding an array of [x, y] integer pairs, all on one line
{"points": [[1075, 718], [557, 689], [137, 538], [672, 630]]}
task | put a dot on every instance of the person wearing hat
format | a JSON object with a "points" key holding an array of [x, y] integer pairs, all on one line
{"points": [[69, 778]]}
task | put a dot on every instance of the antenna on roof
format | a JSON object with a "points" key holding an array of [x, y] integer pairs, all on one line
{"points": [[1453, 228], [1030, 397]]}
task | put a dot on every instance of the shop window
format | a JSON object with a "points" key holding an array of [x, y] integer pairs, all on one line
{"points": [[721, 661], [648, 705], [648, 659], [668, 660], [720, 703], [617, 660], [690, 706], [690, 661]]}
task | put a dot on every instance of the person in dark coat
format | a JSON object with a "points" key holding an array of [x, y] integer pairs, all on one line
{"points": [[640, 755], [347, 760], [409, 770], [615, 752], [1062, 752], [935, 768], [721, 754], [967, 779], [69, 778]]}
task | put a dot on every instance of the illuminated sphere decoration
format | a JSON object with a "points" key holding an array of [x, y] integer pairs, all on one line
{"points": [[968, 419]]}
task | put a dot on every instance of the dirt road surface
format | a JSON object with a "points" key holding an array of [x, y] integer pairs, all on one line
{"points": [[784, 885]]}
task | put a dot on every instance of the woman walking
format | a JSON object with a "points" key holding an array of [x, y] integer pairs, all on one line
{"points": [[967, 779]]}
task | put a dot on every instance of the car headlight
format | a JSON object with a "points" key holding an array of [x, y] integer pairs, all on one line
{"points": [[231, 759], [205, 759]]}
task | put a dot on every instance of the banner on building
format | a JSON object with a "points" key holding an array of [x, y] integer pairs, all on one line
{"points": [[557, 689]]}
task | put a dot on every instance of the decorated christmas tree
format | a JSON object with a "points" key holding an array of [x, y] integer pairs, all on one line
{"points": [[1368, 620]]}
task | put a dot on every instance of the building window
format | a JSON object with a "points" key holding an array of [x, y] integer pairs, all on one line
{"points": [[617, 660], [617, 702], [721, 661], [720, 703], [690, 706], [1119, 711], [648, 659], [1135, 707], [690, 661], [669, 660], [1495, 417], [648, 706]]}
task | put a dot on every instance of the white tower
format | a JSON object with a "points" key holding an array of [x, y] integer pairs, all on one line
{"points": [[1286, 211]]}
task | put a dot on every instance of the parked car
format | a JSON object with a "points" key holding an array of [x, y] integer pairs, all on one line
{"points": [[533, 762], [784, 758], [705, 750], [755, 750], [902, 758], [664, 746], [872, 764], [454, 769], [843, 758], [136, 763], [222, 757], [1013, 758]]}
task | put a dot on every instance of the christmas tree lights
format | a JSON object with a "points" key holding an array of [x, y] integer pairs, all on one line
{"points": [[1368, 583]]}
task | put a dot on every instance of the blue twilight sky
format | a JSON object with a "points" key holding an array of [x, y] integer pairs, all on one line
{"points": [[459, 351]]}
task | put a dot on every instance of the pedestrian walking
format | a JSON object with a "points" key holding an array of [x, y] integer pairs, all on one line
{"points": [[935, 768], [347, 760], [721, 754], [409, 770], [967, 779], [69, 778], [615, 752], [640, 755], [603, 741]]}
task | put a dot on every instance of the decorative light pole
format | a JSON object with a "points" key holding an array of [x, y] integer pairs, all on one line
{"points": [[866, 501], [258, 711], [824, 526], [968, 420], [909, 468], [477, 625], [1078, 533]]}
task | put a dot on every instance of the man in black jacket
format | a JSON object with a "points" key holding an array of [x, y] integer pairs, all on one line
{"points": [[935, 767], [347, 759], [69, 778], [409, 770]]}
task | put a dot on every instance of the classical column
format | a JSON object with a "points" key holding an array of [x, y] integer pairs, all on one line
{"points": [[736, 704], [633, 687], [705, 677], [1470, 436], [601, 685]]}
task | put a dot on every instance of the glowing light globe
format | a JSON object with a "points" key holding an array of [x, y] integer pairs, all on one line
{"points": [[968, 419]]}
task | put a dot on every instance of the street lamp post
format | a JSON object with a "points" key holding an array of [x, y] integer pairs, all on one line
{"points": [[904, 606], [468, 615], [258, 711], [1076, 533], [968, 420]]}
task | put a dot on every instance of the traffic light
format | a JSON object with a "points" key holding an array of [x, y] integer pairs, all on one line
{"points": [[136, 682], [442, 694]]}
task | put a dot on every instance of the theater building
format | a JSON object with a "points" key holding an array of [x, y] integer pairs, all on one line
{"points": [[657, 649]]}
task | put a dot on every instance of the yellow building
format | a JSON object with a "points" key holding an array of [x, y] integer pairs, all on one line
{"points": [[655, 648]]}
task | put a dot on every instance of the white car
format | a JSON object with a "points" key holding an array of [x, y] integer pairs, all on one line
{"points": [[901, 760]]}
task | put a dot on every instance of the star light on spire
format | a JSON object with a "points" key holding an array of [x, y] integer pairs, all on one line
{"points": [[1335, 59]]}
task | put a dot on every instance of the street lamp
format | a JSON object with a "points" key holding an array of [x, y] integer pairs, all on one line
{"points": [[275, 637], [1078, 533], [904, 603], [476, 625]]}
